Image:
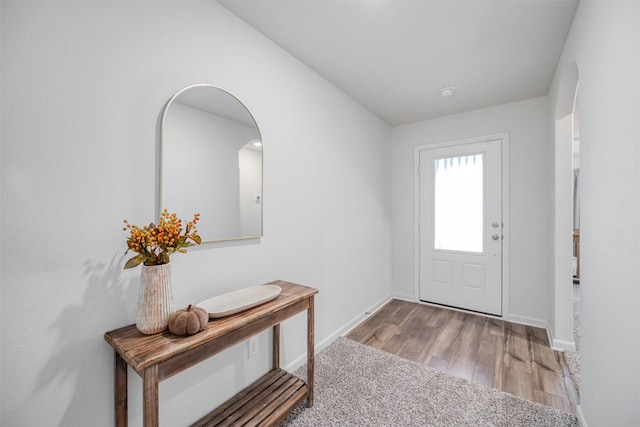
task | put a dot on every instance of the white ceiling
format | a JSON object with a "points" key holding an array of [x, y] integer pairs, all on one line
{"points": [[394, 56]]}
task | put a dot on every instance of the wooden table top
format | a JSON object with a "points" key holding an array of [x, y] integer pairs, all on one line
{"points": [[141, 351]]}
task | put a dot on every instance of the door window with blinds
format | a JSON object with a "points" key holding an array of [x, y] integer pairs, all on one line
{"points": [[458, 203]]}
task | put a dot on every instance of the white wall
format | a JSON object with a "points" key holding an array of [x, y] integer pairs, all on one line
{"points": [[83, 85], [604, 43], [529, 202]]}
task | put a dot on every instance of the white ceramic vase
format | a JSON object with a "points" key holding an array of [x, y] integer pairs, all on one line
{"points": [[155, 300]]}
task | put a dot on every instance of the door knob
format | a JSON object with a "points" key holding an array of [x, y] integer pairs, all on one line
{"points": [[495, 237], [495, 224]]}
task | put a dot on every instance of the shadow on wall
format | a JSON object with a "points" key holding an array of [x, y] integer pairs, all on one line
{"points": [[78, 376], [84, 360]]}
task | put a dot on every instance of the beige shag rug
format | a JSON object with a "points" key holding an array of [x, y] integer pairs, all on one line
{"points": [[357, 385], [573, 363], [573, 357]]}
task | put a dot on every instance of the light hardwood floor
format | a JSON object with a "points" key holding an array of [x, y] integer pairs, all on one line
{"points": [[510, 357]]}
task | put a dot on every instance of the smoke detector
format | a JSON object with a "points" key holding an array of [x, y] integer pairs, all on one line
{"points": [[447, 91]]}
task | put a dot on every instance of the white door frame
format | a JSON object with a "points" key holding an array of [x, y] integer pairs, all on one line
{"points": [[504, 143]]}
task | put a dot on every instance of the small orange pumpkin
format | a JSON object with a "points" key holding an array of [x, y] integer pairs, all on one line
{"points": [[188, 321]]}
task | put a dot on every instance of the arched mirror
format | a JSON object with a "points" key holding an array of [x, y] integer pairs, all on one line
{"points": [[211, 163]]}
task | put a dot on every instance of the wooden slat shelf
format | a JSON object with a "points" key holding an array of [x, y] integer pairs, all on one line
{"points": [[264, 403], [158, 357]]}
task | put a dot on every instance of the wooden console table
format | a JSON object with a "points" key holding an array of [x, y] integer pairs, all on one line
{"points": [[158, 357]]}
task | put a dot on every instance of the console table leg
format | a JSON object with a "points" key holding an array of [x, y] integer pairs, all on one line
{"points": [[276, 346], [310, 351], [120, 392], [150, 412]]}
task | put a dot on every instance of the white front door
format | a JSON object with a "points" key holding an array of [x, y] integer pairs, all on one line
{"points": [[460, 226]]}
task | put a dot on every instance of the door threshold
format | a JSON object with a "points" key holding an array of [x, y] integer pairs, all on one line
{"points": [[463, 310]]}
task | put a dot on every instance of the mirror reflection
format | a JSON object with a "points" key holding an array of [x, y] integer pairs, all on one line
{"points": [[211, 163]]}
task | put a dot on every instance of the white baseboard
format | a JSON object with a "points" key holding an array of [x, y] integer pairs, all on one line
{"points": [[524, 320], [359, 319], [560, 345], [580, 416], [302, 359], [405, 297]]}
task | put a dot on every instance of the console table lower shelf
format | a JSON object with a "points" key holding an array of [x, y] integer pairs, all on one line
{"points": [[264, 403], [158, 357]]}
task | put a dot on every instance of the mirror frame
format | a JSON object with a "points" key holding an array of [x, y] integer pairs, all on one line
{"points": [[161, 143]]}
